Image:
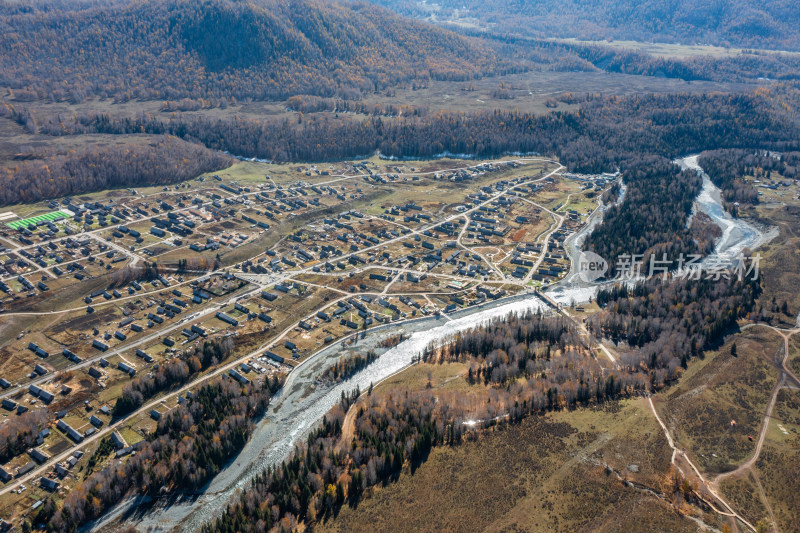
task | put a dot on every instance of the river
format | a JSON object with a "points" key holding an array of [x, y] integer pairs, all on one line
{"points": [[573, 288], [301, 404], [298, 407], [737, 234]]}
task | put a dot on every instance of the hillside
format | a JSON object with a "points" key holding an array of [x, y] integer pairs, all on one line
{"points": [[771, 24], [223, 49]]}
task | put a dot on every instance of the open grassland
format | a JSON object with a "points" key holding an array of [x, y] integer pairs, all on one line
{"points": [[794, 355], [721, 400], [559, 196], [545, 474], [448, 376], [742, 493], [771, 489], [673, 50], [779, 462], [780, 263]]}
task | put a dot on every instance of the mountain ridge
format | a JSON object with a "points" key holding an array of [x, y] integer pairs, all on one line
{"points": [[225, 48], [763, 24]]}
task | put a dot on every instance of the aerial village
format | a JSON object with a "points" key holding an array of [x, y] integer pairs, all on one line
{"points": [[284, 259]]}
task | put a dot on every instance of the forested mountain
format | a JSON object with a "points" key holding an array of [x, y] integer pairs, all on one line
{"points": [[771, 24], [222, 49]]}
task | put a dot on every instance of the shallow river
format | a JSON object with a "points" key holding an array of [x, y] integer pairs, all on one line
{"points": [[737, 234], [301, 403], [299, 406]]}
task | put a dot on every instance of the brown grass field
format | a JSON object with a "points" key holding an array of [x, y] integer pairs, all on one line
{"points": [[718, 390], [780, 461], [545, 474]]}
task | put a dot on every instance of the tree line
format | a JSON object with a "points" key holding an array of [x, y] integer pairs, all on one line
{"points": [[321, 475], [346, 367], [667, 324], [638, 135], [171, 374], [306, 103], [190, 445], [93, 168], [564, 56], [652, 218], [727, 169], [600, 136], [397, 429], [19, 433], [737, 23]]}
